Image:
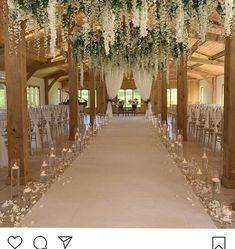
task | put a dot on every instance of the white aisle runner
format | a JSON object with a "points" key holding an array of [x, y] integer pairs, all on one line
{"points": [[125, 179]]}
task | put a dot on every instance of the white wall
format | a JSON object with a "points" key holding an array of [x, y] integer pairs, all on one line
{"points": [[219, 90], [40, 83], [208, 89], [53, 94]]}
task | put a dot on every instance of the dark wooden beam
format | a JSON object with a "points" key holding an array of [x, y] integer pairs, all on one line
{"points": [[195, 66], [217, 56], [206, 61], [228, 179]]}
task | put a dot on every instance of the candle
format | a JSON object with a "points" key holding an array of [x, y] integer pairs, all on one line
{"points": [[227, 211], [27, 190], [15, 166], [199, 172], [44, 164]]}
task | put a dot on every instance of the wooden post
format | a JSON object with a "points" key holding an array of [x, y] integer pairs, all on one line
{"points": [[159, 97], [46, 82], [92, 98], [17, 110], [214, 90], [164, 96], [182, 96], [154, 97], [105, 98], [228, 179], [73, 94]]}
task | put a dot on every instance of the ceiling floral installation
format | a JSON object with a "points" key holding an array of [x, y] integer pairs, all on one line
{"points": [[127, 33]]}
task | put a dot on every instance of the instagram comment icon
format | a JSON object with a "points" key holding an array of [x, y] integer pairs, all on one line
{"points": [[40, 242]]}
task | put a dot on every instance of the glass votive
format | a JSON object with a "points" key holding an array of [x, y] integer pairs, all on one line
{"points": [[216, 188], [52, 164], [15, 179], [27, 194], [204, 164], [70, 155], [64, 154], [44, 175], [227, 210]]}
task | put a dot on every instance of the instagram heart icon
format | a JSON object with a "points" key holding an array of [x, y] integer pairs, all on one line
{"points": [[15, 242]]}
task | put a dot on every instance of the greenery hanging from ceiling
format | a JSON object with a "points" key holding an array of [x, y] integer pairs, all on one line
{"points": [[129, 33]]}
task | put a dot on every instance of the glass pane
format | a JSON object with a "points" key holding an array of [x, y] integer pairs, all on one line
{"points": [[121, 96], [85, 96], [2, 98], [129, 97], [37, 96], [174, 96], [137, 97], [168, 97], [28, 95]]}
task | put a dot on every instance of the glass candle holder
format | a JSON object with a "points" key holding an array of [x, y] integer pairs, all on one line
{"points": [[64, 156], [180, 136], [70, 155], [27, 195], [15, 179], [216, 188], [180, 152], [52, 164], [204, 164], [227, 210], [44, 175]]}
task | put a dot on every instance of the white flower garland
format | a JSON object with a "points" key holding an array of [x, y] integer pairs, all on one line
{"points": [[144, 19], [180, 22], [108, 23], [228, 8], [51, 10]]}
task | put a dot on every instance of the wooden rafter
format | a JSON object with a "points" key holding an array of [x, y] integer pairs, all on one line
{"points": [[217, 56], [196, 45], [206, 61], [46, 65], [195, 66]]}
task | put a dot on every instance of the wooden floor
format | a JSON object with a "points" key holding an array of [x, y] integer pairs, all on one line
{"points": [[125, 179]]}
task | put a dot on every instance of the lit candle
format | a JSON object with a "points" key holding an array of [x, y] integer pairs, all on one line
{"points": [[15, 166], [199, 172], [227, 211]]}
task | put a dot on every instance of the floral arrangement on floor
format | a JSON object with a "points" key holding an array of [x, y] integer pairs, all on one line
{"points": [[202, 187], [130, 33]]}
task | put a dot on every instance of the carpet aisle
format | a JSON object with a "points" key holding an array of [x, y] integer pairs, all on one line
{"points": [[124, 179]]}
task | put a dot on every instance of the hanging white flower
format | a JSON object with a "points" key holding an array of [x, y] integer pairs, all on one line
{"points": [[51, 10], [136, 15], [228, 8], [108, 23], [82, 74], [180, 22], [144, 19]]}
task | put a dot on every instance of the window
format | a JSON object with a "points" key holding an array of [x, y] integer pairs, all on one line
{"points": [[202, 95], [33, 96], [2, 96], [60, 100], [171, 97], [85, 95], [127, 95]]}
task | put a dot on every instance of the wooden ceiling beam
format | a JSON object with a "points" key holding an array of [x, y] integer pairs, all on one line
{"points": [[217, 56], [196, 45], [195, 66], [56, 74], [47, 65], [206, 62]]}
